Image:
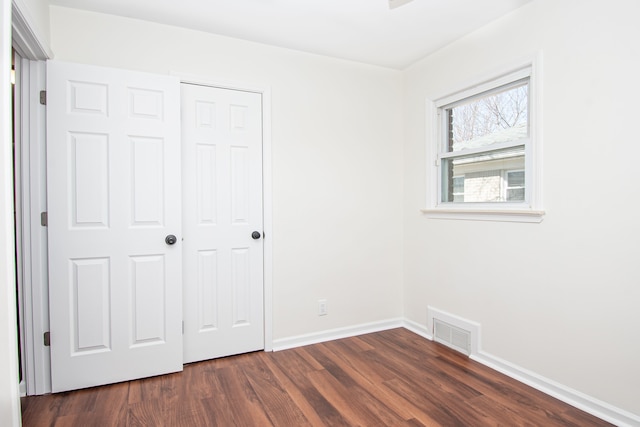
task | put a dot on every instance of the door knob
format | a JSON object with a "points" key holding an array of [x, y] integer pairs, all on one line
{"points": [[256, 235], [170, 239]]}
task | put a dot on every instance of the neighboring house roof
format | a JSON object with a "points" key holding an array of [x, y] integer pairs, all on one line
{"points": [[519, 131]]}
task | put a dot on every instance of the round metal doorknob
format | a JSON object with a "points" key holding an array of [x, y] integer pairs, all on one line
{"points": [[170, 239], [256, 235]]}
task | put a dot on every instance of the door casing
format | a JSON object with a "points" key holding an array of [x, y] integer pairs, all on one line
{"points": [[29, 42], [31, 197], [267, 189]]}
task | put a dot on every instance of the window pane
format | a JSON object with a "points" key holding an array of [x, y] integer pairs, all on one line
{"points": [[458, 184], [458, 188], [485, 177], [515, 194], [497, 117], [515, 179]]}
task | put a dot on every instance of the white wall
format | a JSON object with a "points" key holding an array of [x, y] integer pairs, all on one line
{"points": [[558, 298], [337, 159], [36, 13], [9, 393]]}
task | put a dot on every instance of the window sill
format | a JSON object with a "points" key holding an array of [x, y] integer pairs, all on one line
{"points": [[501, 215]]}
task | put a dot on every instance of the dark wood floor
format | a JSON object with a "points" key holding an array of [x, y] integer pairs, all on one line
{"points": [[390, 378]]}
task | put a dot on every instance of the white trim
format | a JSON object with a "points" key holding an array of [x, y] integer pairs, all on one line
{"points": [[432, 133], [222, 84], [493, 147], [267, 186], [531, 211], [561, 392], [474, 214], [27, 39], [418, 328], [9, 387], [33, 201], [336, 334], [267, 206], [519, 72], [481, 77], [533, 181]]}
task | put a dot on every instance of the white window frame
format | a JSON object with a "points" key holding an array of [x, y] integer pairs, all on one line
{"points": [[528, 211]]}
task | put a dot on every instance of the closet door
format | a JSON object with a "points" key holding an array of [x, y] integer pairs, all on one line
{"points": [[223, 222]]}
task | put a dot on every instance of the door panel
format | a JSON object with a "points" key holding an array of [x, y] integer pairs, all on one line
{"points": [[222, 202], [89, 183], [90, 295], [147, 160], [113, 172]]}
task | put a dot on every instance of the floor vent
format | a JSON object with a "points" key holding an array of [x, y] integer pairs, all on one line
{"points": [[452, 336]]}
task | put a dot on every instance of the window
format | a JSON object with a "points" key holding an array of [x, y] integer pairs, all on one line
{"points": [[484, 139], [484, 150], [458, 188], [515, 186]]}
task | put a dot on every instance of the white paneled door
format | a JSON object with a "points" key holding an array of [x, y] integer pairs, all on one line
{"points": [[114, 195], [126, 248], [222, 222]]}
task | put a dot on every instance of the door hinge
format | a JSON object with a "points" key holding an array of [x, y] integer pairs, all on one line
{"points": [[43, 97], [47, 339], [44, 219], [183, 327]]}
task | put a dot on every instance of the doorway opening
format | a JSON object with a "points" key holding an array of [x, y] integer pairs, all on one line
{"points": [[15, 118]]}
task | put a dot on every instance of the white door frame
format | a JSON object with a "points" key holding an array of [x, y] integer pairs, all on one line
{"points": [[31, 195], [266, 186], [31, 186], [9, 394]]}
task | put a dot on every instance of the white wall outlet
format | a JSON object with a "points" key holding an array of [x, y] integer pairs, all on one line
{"points": [[322, 307]]}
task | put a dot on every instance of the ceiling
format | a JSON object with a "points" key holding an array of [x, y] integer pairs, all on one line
{"points": [[359, 30]]}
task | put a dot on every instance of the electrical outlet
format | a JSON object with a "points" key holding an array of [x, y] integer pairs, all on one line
{"points": [[322, 307]]}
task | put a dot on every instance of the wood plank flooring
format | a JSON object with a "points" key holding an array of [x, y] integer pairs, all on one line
{"points": [[390, 378]]}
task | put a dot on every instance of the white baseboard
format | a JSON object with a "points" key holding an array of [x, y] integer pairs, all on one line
{"points": [[561, 392], [418, 328], [335, 334]]}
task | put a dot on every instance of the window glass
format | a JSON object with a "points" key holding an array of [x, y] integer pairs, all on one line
{"points": [[485, 139], [481, 177], [496, 117], [458, 189], [515, 186]]}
